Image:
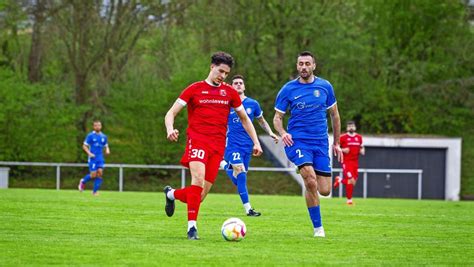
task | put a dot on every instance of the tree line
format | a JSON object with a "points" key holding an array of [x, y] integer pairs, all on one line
{"points": [[398, 67]]}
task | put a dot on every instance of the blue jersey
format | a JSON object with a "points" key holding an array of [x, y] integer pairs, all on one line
{"points": [[308, 104], [96, 143], [236, 134]]}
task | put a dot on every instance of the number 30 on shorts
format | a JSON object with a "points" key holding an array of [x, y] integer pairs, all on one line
{"points": [[197, 153]]}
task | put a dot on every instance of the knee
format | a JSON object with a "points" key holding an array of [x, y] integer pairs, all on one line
{"points": [[93, 174], [198, 179], [238, 169], [324, 191], [311, 184]]}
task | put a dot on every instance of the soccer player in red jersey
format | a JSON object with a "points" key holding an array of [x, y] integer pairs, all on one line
{"points": [[352, 147], [208, 103]]}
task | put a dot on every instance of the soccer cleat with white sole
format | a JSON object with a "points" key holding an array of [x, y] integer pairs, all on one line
{"points": [[349, 202], [319, 232]]}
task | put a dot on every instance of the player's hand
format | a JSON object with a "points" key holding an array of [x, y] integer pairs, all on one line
{"points": [[173, 135], [338, 152], [91, 155], [275, 138], [257, 150], [287, 139]]}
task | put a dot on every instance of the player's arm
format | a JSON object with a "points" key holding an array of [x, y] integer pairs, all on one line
{"points": [[107, 149], [336, 130], [286, 138], [266, 127], [248, 126], [85, 147], [345, 150], [171, 133]]}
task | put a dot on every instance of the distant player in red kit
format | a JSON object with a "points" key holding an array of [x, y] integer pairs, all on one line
{"points": [[208, 103], [352, 147]]}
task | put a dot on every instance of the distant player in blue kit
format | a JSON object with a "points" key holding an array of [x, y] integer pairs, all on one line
{"points": [[309, 98], [94, 145], [239, 144]]}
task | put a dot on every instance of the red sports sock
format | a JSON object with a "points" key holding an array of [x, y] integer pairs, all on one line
{"points": [[349, 189], [182, 194], [194, 202]]}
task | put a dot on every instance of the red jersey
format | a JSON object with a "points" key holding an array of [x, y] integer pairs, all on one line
{"points": [[354, 143], [208, 112]]}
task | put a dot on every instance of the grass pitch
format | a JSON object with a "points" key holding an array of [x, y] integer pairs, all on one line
{"points": [[40, 227]]}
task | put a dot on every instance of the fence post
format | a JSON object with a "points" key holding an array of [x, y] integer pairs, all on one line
{"points": [[120, 179], [340, 186], [365, 184], [58, 177], [419, 184], [183, 178]]}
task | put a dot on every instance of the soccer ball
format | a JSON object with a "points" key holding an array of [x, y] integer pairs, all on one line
{"points": [[233, 229]]}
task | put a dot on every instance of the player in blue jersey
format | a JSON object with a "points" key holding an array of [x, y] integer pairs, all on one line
{"points": [[309, 98], [239, 144], [94, 145]]}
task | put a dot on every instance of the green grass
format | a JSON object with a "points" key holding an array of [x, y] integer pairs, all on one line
{"points": [[40, 227]]}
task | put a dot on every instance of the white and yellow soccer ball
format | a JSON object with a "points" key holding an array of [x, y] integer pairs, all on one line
{"points": [[233, 229]]}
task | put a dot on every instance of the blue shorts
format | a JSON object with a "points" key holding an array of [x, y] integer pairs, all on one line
{"points": [[94, 165], [237, 155], [314, 152]]}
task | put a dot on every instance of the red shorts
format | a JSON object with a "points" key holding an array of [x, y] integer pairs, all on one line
{"points": [[199, 151], [350, 170]]}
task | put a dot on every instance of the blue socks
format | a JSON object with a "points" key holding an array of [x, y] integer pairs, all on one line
{"points": [[241, 183], [86, 178], [315, 215], [230, 173], [242, 187], [97, 184]]}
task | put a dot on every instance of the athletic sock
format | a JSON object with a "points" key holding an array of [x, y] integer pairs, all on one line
{"points": [[182, 194], [97, 184], [86, 178], [192, 224], [230, 174], [242, 187], [349, 190], [170, 194], [247, 207], [194, 202], [315, 216]]}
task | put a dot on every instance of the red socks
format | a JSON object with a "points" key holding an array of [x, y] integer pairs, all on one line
{"points": [[181, 194], [349, 190], [194, 201]]}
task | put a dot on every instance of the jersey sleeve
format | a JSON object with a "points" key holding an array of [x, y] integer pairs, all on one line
{"points": [[331, 98], [342, 141], [235, 101], [88, 140], [185, 95], [282, 100], [258, 112]]}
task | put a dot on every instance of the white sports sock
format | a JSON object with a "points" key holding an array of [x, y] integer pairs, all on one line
{"points": [[247, 207], [170, 194], [223, 164], [191, 224]]}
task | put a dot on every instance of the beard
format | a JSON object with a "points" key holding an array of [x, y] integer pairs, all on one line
{"points": [[351, 131]]}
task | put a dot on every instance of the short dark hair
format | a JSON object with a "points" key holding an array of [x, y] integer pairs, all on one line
{"points": [[95, 121], [307, 53], [222, 58], [238, 76], [350, 122]]}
